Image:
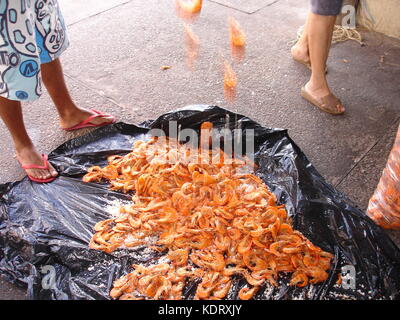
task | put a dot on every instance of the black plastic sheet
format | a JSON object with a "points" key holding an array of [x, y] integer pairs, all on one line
{"points": [[44, 225]]}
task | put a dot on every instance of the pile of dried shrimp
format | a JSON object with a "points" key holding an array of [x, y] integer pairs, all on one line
{"points": [[213, 221]]}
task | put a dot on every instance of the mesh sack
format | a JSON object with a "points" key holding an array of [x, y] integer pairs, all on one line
{"points": [[384, 206]]}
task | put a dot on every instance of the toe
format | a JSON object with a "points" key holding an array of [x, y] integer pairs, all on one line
{"points": [[53, 172], [44, 175], [340, 108], [38, 175]]}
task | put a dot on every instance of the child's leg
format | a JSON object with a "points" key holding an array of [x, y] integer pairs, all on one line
{"points": [[11, 114], [70, 114]]}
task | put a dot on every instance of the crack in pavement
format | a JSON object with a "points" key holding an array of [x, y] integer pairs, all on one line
{"points": [[244, 11], [336, 185], [213, 1], [87, 86], [98, 13]]}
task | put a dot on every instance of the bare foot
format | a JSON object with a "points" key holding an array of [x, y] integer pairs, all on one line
{"points": [[300, 53], [79, 115], [29, 155], [320, 91]]}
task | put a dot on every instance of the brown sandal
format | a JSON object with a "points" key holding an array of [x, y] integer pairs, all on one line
{"points": [[328, 103]]}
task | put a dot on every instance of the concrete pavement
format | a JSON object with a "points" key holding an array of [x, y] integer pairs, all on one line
{"points": [[118, 47]]}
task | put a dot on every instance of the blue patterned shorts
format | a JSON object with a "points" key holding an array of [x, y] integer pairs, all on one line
{"points": [[32, 32]]}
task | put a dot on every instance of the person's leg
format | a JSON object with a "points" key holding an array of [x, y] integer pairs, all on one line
{"points": [[70, 114], [300, 51], [319, 34], [11, 114]]}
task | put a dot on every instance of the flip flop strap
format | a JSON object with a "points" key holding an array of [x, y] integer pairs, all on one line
{"points": [[102, 114], [97, 114], [35, 166], [87, 120]]}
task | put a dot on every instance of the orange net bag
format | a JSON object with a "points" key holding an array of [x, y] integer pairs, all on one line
{"points": [[384, 206]]}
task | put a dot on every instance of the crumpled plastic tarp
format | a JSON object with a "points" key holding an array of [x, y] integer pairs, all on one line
{"points": [[44, 225]]}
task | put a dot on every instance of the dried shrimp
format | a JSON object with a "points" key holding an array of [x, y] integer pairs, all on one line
{"points": [[212, 220]]}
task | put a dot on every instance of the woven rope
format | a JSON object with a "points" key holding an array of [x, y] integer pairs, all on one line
{"points": [[340, 34]]}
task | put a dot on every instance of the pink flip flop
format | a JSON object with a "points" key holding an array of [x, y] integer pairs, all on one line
{"points": [[87, 122], [44, 167]]}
